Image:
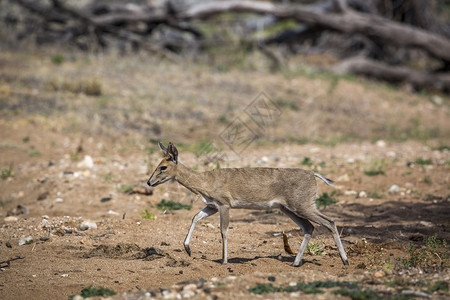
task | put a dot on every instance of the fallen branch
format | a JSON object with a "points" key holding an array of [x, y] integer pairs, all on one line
{"points": [[394, 74], [8, 261], [349, 22]]}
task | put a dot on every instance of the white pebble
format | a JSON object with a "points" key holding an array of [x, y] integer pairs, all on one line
{"points": [[381, 143], [394, 189], [86, 163], [11, 219], [88, 225]]}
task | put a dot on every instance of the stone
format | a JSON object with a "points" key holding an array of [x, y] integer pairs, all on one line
{"points": [[88, 225], [394, 189], [26, 240], [350, 193], [426, 223], [86, 163], [11, 219], [362, 194], [378, 274], [343, 178], [381, 143]]}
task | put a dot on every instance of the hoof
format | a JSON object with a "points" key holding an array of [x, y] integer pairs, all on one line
{"points": [[345, 262], [297, 265], [187, 249]]}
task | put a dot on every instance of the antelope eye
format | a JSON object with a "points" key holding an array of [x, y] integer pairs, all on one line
{"points": [[163, 168]]}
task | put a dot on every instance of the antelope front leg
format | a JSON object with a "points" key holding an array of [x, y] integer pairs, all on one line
{"points": [[224, 221], [206, 212]]}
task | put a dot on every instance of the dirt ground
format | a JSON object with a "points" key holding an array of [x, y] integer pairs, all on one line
{"points": [[68, 157]]}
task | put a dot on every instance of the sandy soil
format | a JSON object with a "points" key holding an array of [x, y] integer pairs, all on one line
{"points": [[54, 188]]}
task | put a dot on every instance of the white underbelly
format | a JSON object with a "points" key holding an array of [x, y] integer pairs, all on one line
{"points": [[255, 205], [210, 203]]}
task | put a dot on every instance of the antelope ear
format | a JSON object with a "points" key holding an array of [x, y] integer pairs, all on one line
{"points": [[163, 149], [173, 152]]}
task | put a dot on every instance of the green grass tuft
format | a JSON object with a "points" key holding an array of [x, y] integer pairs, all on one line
{"points": [[374, 172], [171, 205], [307, 288], [128, 188], [315, 248], [264, 288], [326, 200], [6, 173], [95, 292], [146, 214], [306, 162], [423, 162]]}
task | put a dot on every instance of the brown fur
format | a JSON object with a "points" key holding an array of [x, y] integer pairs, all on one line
{"points": [[293, 191]]}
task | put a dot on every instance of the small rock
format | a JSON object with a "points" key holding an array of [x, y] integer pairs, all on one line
{"points": [[426, 223], [394, 189], [188, 294], [25, 241], [105, 199], [362, 194], [314, 150], [271, 278], [44, 223], [18, 210], [350, 193], [391, 154], [378, 274], [190, 287], [381, 143], [343, 178], [78, 297], [168, 294], [86, 163], [111, 212], [59, 200], [11, 219], [42, 196], [59, 232], [437, 100], [88, 225]]}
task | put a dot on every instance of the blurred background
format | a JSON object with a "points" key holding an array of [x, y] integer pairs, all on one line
{"points": [[186, 69]]}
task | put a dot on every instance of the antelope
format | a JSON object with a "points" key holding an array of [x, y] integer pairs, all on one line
{"points": [[293, 191]]}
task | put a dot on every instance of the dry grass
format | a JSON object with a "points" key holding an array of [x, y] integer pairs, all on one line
{"points": [[143, 96]]}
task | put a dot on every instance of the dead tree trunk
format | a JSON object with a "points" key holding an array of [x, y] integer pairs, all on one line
{"points": [[349, 21], [394, 74]]}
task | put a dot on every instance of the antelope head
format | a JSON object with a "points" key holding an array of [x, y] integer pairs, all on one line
{"points": [[167, 168]]}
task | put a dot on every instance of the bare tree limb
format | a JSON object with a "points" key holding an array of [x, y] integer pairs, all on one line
{"points": [[372, 26], [394, 74]]}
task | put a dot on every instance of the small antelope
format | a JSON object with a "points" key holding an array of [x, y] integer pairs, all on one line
{"points": [[293, 191]]}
